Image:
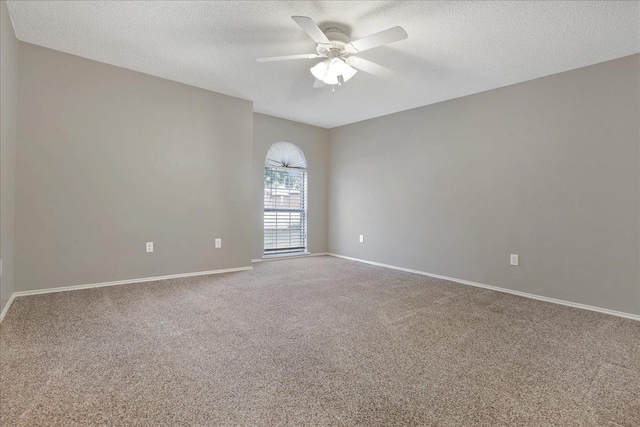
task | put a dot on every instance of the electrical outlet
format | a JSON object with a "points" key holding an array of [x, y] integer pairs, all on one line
{"points": [[149, 246], [218, 243], [514, 259], [362, 238]]}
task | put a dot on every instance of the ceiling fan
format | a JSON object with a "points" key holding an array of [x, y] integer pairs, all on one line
{"points": [[341, 62]]}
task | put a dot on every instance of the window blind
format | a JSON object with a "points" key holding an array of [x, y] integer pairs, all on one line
{"points": [[285, 210]]}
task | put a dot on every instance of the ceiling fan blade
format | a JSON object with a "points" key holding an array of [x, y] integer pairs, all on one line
{"points": [[378, 39], [287, 57], [312, 29], [370, 67], [318, 84]]}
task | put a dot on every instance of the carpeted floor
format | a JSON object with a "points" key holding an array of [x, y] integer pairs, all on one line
{"points": [[309, 342]]}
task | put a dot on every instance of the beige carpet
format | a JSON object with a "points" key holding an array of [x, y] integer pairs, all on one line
{"points": [[310, 342]]}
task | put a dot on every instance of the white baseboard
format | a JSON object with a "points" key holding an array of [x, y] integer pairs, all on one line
{"points": [[496, 288], [277, 258], [230, 270], [117, 282], [6, 307]]}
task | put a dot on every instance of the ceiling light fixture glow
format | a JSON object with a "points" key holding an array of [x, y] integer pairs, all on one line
{"points": [[329, 70], [320, 69]]}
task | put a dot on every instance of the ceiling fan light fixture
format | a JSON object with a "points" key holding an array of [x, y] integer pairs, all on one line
{"points": [[320, 69], [348, 72], [329, 70], [330, 79]]}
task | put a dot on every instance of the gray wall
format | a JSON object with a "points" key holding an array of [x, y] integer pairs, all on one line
{"points": [[548, 169], [110, 158], [8, 91], [314, 142]]}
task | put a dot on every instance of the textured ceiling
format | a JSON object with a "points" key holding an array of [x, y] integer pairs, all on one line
{"points": [[454, 48]]}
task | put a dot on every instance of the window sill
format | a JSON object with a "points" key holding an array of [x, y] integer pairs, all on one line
{"points": [[289, 255]]}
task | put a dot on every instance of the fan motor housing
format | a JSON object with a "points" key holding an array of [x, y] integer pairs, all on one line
{"points": [[338, 41], [335, 34]]}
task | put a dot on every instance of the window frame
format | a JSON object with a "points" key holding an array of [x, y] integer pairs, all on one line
{"points": [[284, 251]]}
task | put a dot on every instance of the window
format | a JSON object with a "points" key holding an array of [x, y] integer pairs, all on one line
{"points": [[285, 200]]}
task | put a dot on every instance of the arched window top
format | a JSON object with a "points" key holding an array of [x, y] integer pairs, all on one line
{"points": [[285, 155]]}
